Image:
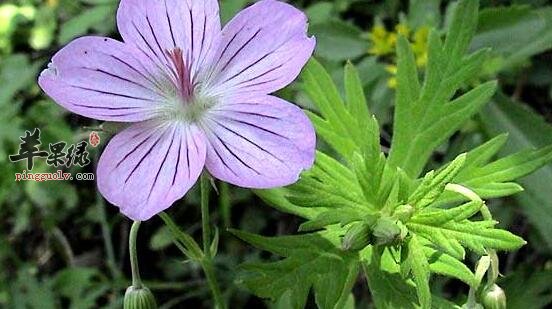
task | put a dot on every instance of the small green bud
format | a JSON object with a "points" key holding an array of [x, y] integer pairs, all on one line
{"points": [[403, 213], [139, 298], [494, 298], [357, 237], [386, 231]]}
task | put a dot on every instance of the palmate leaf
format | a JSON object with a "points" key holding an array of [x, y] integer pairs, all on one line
{"points": [[476, 236], [346, 126], [328, 184], [425, 116], [311, 261], [390, 290], [416, 263], [526, 129], [433, 185], [492, 179], [363, 186]]}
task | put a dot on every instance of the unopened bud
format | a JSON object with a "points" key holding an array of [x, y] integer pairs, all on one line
{"points": [[493, 298], [386, 231], [139, 298], [404, 212], [357, 237]]}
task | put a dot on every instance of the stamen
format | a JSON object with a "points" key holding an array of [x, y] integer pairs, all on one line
{"points": [[182, 73]]}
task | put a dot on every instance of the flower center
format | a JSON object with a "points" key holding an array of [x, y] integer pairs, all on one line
{"points": [[182, 73], [190, 101]]}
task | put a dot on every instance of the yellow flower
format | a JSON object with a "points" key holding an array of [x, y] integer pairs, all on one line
{"points": [[383, 42], [391, 68], [419, 39], [403, 30], [392, 82]]}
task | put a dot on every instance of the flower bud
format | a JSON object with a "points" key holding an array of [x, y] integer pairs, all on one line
{"points": [[139, 298], [404, 212], [386, 231], [357, 237], [494, 298]]}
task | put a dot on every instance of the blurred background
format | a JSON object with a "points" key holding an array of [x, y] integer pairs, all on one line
{"points": [[63, 246]]}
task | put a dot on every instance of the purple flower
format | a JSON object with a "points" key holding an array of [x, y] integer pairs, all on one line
{"points": [[196, 95]]}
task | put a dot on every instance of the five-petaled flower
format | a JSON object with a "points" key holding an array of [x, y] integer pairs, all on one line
{"points": [[196, 95]]}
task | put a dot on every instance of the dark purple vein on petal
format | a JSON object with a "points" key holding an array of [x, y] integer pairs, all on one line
{"points": [[203, 34], [112, 93], [246, 68], [247, 113], [177, 161], [144, 157], [162, 164], [228, 45], [191, 31], [109, 108], [261, 75], [134, 149], [240, 49], [251, 142], [234, 155], [154, 82], [156, 40], [120, 77], [144, 39], [170, 23], [222, 160], [255, 126]]}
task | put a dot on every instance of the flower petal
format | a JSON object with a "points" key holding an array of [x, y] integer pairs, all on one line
{"points": [[149, 166], [263, 49], [103, 79], [259, 142], [156, 26]]}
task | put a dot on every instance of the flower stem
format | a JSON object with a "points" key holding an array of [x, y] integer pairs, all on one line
{"points": [[207, 260], [206, 228], [136, 281]]}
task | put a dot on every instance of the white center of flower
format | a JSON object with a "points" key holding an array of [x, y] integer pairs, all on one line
{"points": [[188, 102]]}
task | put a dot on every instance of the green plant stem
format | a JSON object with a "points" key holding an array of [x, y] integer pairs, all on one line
{"points": [[493, 271], [207, 260], [136, 281], [205, 224], [106, 234], [209, 269], [225, 204]]}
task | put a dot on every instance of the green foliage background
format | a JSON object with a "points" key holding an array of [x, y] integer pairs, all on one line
{"points": [[62, 246]]}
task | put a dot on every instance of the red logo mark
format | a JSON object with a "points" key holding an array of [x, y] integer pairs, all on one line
{"points": [[94, 139]]}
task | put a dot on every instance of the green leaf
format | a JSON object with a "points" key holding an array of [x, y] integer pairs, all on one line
{"points": [[347, 126], [527, 130], [330, 217], [444, 264], [311, 261], [477, 236], [416, 263], [81, 23], [388, 289], [425, 116], [434, 184], [337, 40], [328, 184], [277, 198], [436, 216], [515, 33]]}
